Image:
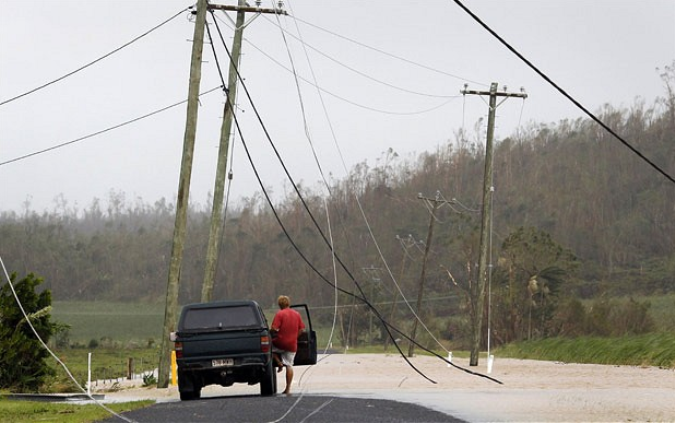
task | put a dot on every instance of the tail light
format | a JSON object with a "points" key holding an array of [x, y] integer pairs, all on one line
{"points": [[179, 349], [265, 343]]}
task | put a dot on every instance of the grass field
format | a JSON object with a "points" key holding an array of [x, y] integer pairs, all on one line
{"points": [[31, 411], [653, 349], [662, 310], [121, 322], [136, 329]]}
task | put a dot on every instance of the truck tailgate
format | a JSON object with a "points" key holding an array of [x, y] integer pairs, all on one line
{"points": [[222, 343]]}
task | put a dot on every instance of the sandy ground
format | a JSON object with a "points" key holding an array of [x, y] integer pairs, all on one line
{"points": [[531, 390]]}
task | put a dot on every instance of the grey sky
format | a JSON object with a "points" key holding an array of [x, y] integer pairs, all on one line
{"points": [[599, 51]]}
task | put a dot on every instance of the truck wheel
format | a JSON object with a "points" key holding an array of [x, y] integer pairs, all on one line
{"points": [[188, 388], [187, 396], [268, 381]]}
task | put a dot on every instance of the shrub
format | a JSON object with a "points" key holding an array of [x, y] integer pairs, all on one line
{"points": [[22, 357], [149, 379]]}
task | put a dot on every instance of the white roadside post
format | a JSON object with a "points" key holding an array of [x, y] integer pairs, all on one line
{"points": [[89, 374]]}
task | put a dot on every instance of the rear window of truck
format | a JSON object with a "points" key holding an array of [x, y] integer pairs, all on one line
{"points": [[233, 317]]}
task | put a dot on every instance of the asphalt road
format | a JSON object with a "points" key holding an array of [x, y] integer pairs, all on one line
{"points": [[280, 408]]}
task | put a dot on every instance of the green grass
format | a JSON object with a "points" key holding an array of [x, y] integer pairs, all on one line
{"points": [[654, 349], [123, 322], [13, 411], [662, 310], [132, 327]]}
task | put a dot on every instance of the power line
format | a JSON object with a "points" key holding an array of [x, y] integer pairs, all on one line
{"points": [[358, 72], [353, 103], [94, 61], [358, 202], [119, 125], [412, 62], [328, 188], [362, 297], [278, 218], [563, 92]]}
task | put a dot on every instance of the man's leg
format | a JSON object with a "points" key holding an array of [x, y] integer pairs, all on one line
{"points": [[289, 379], [278, 363]]}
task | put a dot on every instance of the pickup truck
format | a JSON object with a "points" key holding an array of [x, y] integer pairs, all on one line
{"points": [[229, 342]]}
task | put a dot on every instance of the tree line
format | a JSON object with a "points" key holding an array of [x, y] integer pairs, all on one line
{"points": [[577, 216]]}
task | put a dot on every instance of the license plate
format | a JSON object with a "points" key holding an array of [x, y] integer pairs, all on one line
{"points": [[223, 362]]}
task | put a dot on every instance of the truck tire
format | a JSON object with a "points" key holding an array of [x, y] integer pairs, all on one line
{"points": [[188, 388], [191, 395], [187, 396], [268, 381]]}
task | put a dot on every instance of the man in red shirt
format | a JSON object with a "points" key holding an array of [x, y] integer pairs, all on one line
{"points": [[286, 327]]}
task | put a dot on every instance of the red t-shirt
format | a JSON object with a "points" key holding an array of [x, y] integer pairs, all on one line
{"points": [[288, 324]]}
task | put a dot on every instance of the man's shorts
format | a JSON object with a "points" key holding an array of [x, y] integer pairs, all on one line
{"points": [[287, 357]]}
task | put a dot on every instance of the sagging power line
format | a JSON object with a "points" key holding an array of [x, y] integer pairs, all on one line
{"points": [[9, 100]]}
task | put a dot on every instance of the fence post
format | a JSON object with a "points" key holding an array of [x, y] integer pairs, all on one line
{"points": [[130, 368]]}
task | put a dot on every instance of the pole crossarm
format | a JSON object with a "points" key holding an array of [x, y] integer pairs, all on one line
{"points": [[247, 9], [437, 199], [495, 93]]}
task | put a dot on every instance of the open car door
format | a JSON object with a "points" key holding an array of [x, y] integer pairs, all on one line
{"points": [[306, 355]]}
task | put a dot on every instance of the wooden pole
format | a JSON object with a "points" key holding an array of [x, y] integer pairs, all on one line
{"points": [[478, 288], [219, 187], [420, 289], [171, 307]]}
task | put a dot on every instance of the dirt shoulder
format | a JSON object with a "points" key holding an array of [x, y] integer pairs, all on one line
{"points": [[530, 390]]}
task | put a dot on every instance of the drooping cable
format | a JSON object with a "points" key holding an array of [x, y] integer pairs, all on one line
{"points": [[564, 93], [302, 104], [215, 56], [46, 347], [362, 297], [94, 61], [365, 219], [363, 214], [318, 165], [362, 211], [358, 72], [346, 100], [94, 134], [334, 267], [403, 59]]}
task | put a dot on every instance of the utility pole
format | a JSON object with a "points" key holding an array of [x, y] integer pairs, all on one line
{"points": [[436, 203], [478, 288], [171, 307], [218, 192], [374, 274], [217, 223]]}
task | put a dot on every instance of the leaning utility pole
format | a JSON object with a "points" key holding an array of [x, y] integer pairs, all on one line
{"points": [[171, 307], [219, 189], [437, 202], [478, 288], [225, 130]]}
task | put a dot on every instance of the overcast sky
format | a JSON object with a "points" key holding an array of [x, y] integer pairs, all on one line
{"points": [[599, 51]]}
